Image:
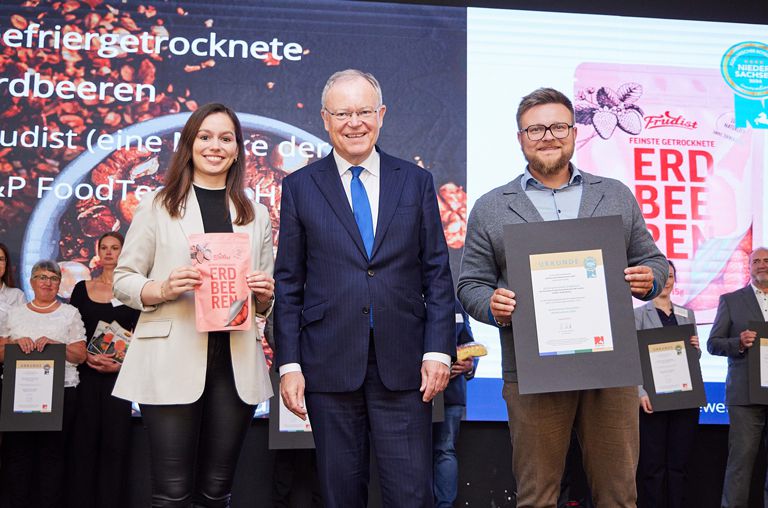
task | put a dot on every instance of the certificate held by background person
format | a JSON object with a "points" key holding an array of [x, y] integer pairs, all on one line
{"points": [[571, 302]]}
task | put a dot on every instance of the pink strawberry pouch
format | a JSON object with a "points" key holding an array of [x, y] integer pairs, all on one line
{"points": [[223, 300]]}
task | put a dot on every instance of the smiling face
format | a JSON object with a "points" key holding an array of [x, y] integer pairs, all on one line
{"points": [[45, 285], [758, 268], [109, 251], [214, 150], [354, 138], [549, 156]]}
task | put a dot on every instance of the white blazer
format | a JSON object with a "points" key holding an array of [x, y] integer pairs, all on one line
{"points": [[167, 358]]}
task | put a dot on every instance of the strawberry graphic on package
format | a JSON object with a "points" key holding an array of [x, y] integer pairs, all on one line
{"points": [[604, 109]]}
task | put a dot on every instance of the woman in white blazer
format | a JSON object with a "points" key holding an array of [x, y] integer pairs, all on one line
{"points": [[666, 438], [197, 390]]}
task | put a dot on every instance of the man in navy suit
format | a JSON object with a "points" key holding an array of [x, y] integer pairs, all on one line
{"points": [[731, 337], [364, 304]]}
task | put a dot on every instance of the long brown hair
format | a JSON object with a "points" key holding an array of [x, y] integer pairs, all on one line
{"points": [[7, 278], [178, 178]]}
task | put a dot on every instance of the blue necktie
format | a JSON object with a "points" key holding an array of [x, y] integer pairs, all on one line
{"points": [[361, 208]]}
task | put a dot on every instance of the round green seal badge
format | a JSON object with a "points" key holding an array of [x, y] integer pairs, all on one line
{"points": [[745, 68]]}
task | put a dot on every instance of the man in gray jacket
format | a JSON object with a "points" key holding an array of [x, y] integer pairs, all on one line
{"points": [[606, 420], [731, 337]]}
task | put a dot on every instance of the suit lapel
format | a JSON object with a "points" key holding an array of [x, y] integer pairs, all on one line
{"points": [[328, 181], [591, 195], [750, 300], [653, 315], [519, 202], [391, 181]]}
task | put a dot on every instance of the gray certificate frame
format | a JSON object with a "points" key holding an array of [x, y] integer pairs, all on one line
{"points": [[582, 371], [696, 397], [10, 421], [757, 393]]}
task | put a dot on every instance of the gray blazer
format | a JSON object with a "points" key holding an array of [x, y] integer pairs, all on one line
{"points": [[646, 317], [734, 312], [484, 265]]}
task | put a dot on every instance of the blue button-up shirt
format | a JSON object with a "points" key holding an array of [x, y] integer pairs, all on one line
{"points": [[555, 204]]}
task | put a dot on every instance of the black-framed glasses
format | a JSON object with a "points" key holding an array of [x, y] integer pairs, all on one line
{"points": [[55, 279], [363, 114], [537, 132]]}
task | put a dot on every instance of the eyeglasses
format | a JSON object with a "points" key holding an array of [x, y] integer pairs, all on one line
{"points": [[559, 130], [55, 279], [363, 114]]}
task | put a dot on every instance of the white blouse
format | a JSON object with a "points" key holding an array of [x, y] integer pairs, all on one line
{"points": [[10, 297], [63, 325]]}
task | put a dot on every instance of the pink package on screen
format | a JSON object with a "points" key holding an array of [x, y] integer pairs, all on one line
{"points": [[669, 133], [223, 300]]}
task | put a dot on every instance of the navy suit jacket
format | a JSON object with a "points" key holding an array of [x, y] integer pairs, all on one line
{"points": [[326, 286], [734, 312]]}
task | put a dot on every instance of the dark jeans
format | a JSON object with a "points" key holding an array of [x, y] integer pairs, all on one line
{"points": [[35, 463], [294, 479], [100, 444], [194, 447], [446, 472]]}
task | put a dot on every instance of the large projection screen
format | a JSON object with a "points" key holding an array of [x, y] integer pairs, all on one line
{"points": [[93, 95]]}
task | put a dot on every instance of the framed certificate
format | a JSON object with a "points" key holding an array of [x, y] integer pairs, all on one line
{"points": [[573, 324], [33, 389], [757, 364], [286, 430], [671, 370]]}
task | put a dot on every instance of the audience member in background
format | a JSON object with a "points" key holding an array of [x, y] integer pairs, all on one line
{"points": [[294, 473], [666, 437], [731, 337], [10, 295], [102, 434], [445, 434], [34, 463], [197, 390]]}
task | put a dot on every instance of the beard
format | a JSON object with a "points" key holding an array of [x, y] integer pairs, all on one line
{"points": [[537, 165]]}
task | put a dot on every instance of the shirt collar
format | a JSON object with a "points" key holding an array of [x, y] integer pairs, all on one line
{"points": [[528, 178], [371, 164], [758, 292]]}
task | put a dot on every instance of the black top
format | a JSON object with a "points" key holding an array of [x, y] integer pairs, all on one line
{"points": [[93, 312], [214, 209], [670, 320]]}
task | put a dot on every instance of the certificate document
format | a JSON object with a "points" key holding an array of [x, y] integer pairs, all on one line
{"points": [[669, 366], [764, 362], [571, 302], [289, 422], [33, 392]]}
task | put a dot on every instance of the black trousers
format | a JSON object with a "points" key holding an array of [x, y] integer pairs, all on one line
{"points": [[666, 441], [194, 447], [35, 463], [101, 444]]}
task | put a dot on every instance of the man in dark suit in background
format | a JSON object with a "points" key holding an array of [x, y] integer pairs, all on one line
{"points": [[731, 337], [446, 433], [364, 304]]}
